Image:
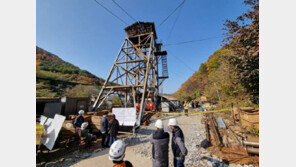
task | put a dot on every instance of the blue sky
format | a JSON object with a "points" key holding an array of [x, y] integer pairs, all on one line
{"points": [[86, 35]]}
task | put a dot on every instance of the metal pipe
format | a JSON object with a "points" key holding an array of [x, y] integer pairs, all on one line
{"points": [[253, 150], [247, 143]]}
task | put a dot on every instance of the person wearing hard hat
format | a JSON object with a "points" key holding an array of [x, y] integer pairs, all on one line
{"points": [[79, 119], [78, 122], [85, 135], [178, 143], [160, 146], [117, 153]]}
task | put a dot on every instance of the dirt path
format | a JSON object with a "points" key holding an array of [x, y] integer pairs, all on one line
{"points": [[101, 159]]}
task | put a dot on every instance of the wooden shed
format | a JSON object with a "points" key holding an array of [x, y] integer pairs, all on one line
{"points": [[74, 104]]}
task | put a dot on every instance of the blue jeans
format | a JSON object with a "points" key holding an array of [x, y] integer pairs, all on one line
{"points": [[179, 162], [112, 140]]}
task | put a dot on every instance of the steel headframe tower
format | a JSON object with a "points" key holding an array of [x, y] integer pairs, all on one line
{"points": [[135, 72]]}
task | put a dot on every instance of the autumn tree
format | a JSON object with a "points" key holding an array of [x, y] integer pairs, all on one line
{"points": [[243, 38], [82, 91], [116, 100]]}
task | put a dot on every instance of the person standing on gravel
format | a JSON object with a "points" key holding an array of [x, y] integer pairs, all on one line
{"points": [[160, 146], [178, 143], [113, 129], [104, 129], [186, 107]]}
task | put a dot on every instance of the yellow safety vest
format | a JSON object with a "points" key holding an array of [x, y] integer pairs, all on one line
{"points": [[40, 131], [186, 106]]}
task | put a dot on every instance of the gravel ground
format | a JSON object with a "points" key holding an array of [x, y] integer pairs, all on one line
{"points": [[194, 134], [139, 148]]}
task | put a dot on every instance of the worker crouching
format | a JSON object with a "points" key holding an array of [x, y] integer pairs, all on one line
{"points": [[85, 135], [117, 153], [160, 146]]}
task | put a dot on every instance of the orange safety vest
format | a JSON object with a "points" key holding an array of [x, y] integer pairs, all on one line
{"points": [[120, 165]]}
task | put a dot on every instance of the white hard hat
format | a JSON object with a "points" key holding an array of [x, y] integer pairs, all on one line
{"points": [[84, 125], [80, 112], [173, 122], [117, 150], [159, 124]]}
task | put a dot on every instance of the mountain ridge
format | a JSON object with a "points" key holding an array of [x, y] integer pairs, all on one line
{"points": [[54, 76]]}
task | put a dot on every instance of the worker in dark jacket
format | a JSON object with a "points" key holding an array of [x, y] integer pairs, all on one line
{"points": [[113, 129], [160, 146], [178, 145], [104, 130], [78, 122], [85, 135], [79, 119]]}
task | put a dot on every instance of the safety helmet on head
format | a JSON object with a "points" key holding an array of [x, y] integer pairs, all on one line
{"points": [[159, 124], [80, 112], [117, 150], [84, 125], [173, 122]]}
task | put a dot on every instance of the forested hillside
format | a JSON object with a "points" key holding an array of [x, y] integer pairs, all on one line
{"points": [[55, 77], [231, 74]]}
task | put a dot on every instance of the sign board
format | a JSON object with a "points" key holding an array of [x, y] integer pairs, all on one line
{"points": [[52, 131], [125, 116]]}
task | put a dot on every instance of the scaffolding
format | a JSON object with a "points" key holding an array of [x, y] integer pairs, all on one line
{"points": [[135, 72]]}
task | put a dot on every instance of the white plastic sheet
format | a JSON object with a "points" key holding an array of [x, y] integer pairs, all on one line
{"points": [[52, 131], [125, 116], [45, 121]]}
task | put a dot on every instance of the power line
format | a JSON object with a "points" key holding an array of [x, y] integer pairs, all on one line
{"points": [[170, 33], [124, 10], [110, 12], [171, 13], [196, 40], [141, 27], [183, 63]]}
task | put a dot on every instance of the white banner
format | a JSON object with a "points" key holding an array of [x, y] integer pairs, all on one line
{"points": [[125, 116], [52, 131]]}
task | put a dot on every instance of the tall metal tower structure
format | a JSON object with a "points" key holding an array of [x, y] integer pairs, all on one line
{"points": [[135, 73]]}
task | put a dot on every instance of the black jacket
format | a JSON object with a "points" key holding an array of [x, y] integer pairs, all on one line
{"points": [[104, 125], [78, 121], [113, 127], [178, 144], [160, 148]]}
